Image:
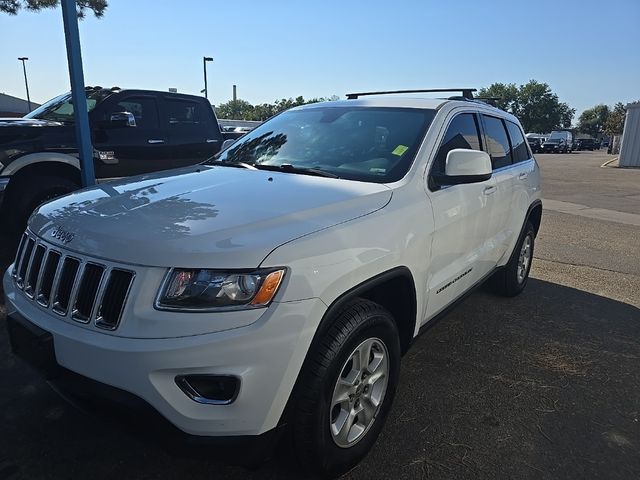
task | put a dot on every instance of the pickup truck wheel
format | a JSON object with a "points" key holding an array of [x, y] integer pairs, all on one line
{"points": [[511, 280], [346, 389], [27, 196]]}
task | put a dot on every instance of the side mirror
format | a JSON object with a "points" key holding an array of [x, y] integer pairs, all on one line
{"points": [[227, 143], [121, 119], [465, 166]]}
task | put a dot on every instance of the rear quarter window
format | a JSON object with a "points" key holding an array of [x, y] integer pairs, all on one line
{"points": [[518, 143]]}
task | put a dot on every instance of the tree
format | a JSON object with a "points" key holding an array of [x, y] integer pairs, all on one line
{"points": [[13, 6], [593, 120], [243, 110], [507, 95], [615, 123], [236, 110], [538, 108]]}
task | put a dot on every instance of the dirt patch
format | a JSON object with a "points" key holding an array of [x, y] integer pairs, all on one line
{"points": [[558, 361]]}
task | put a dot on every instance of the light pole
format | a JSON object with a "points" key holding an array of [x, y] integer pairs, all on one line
{"points": [[204, 66], [26, 84]]}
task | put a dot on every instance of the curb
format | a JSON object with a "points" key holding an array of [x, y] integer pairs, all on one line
{"points": [[605, 164]]}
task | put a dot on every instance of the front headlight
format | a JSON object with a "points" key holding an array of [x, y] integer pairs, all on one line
{"points": [[210, 290]]}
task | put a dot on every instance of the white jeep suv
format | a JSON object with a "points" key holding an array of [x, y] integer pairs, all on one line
{"points": [[276, 286]]}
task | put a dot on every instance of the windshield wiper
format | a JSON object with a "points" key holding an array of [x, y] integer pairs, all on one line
{"points": [[230, 164], [288, 168]]}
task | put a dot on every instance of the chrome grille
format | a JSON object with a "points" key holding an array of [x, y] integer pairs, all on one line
{"points": [[71, 287]]}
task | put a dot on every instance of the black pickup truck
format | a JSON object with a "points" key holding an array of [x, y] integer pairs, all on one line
{"points": [[133, 132]]}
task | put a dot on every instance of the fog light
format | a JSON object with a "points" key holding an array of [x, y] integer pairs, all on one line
{"points": [[209, 389]]}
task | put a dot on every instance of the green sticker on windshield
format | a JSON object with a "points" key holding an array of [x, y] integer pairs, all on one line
{"points": [[400, 149]]}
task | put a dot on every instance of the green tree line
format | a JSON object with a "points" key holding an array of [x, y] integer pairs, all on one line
{"points": [[537, 107], [601, 119], [243, 110]]}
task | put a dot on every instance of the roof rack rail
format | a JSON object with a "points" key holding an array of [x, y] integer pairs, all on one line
{"points": [[490, 100], [466, 92]]}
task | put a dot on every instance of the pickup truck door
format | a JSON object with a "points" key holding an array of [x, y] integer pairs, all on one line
{"points": [[462, 214], [130, 150], [194, 133]]}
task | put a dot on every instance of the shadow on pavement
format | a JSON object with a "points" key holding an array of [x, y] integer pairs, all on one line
{"points": [[545, 385]]}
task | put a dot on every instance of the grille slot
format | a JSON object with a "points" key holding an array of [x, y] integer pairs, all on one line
{"points": [[48, 275], [23, 241], [87, 291], [67, 279], [34, 271], [114, 298], [24, 262], [77, 288]]}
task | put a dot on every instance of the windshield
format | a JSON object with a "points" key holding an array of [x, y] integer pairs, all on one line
{"points": [[556, 136], [358, 143], [60, 109]]}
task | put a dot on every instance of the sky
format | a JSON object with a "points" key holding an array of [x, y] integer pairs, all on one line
{"points": [[586, 50]]}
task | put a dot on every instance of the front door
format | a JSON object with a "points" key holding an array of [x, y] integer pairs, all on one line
{"points": [[462, 215], [131, 150]]}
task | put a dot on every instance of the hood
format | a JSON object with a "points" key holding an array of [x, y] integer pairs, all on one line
{"points": [[27, 122], [202, 216]]}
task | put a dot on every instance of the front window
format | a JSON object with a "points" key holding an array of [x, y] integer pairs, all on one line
{"points": [[60, 109], [358, 143]]}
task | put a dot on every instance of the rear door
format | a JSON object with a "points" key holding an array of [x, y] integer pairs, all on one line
{"points": [[524, 183], [194, 133], [499, 149], [462, 214], [132, 150]]}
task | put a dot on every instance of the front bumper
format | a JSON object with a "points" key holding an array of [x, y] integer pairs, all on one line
{"points": [[266, 356]]}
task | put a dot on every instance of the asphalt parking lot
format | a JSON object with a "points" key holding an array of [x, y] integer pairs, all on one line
{"points": [[545, 385]]}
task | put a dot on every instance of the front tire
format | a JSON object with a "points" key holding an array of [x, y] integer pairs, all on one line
{"points": [[346, 389], [512, 278], [27, 194]]}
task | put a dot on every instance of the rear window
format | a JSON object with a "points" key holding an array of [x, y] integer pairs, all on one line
{"points": [[497, 142]]}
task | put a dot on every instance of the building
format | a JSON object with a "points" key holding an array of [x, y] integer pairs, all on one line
{"points": [[630, 148], [14, 106]]}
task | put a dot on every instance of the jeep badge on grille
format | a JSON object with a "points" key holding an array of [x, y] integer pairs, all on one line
{"points": [[60, 234]]}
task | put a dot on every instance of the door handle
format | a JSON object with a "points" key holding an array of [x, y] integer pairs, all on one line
{"points": [[523, 175], [489, 190], [155, 140]]}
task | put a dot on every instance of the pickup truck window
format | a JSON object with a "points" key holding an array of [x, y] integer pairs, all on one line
{"points": [[60, 109], [358, 143], [144, 109], [184, 113]]}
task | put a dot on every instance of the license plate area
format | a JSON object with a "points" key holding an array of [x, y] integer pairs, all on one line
{"points": [[33, 344]]}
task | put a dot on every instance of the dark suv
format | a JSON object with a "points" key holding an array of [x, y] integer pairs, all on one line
{"points": [[535, 143], [585, 144]]}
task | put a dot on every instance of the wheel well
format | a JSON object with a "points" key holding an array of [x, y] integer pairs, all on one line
{"points": [[535, 217], [398, 295], [57, 169]]}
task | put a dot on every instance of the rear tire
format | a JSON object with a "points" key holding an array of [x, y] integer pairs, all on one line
{"points": [[346, 389], [510, 280]]}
